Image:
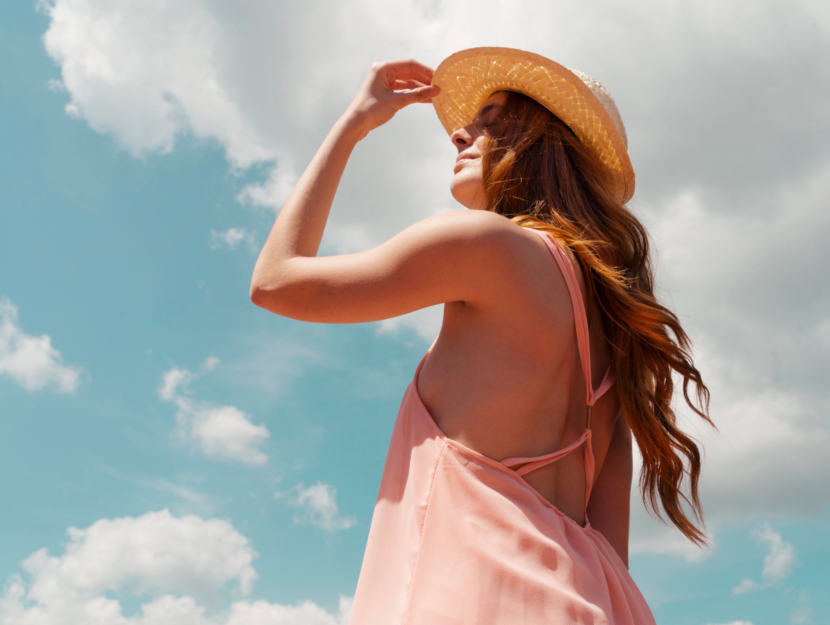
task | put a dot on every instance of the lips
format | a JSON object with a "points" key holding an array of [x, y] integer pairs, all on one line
{"points": [[465, 157]]}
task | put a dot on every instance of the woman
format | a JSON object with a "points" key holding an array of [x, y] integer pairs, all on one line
{"points": [[517, 426]]}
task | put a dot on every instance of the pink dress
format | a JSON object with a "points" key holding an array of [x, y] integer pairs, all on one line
{"points": [[458, 538]]}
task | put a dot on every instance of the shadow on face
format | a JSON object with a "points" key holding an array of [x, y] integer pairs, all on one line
{"points": [[467, 184]]}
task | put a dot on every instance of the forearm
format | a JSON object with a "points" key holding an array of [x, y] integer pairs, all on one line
{"points": [[299, 226]]}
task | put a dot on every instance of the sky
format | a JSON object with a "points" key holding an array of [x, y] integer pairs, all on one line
{"points": [[174, 454]]}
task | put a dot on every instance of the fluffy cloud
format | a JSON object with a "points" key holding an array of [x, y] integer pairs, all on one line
{"points": [[747, 286], [778, 563], [31, 361], [220, 432], [305, 613], [274, 191], [178, 568], [319, 503], [147, 73]]}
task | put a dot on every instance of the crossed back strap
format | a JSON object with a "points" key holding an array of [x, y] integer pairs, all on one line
{"points": [[526, 465]]}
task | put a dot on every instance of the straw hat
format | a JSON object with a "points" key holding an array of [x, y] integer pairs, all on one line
{"points": [[469, 77]]}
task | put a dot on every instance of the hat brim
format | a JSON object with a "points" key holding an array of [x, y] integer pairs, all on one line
{"points": [[469, 77]]}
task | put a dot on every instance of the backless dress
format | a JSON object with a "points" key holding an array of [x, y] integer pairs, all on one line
{"points": [[458, 538]]}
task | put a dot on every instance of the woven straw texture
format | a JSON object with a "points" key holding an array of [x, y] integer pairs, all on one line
{"points": [[469, 77]]}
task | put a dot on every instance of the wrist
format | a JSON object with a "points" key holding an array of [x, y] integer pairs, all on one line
{"points": [[353, 124]]}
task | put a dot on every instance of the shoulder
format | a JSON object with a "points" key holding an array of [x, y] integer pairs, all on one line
{"points": [[480, 252], [494, 254], [474, 230], [475, 222]]}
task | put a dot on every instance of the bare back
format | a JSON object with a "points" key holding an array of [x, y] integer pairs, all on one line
{"points": [[504, 377]]}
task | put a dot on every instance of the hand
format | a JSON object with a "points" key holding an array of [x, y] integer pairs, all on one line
{"points": [[388, 88]]}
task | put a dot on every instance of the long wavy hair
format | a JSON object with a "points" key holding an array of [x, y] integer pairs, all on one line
{"points": [[538, 174]]}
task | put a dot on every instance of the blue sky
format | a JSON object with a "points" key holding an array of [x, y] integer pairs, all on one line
{"points": [[130, 225]]}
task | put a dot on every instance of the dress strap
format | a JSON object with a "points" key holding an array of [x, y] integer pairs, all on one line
{"points": [[537, 462], [581, 323], [583, 345]]}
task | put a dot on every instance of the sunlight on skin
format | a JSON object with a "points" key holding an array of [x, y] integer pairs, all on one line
{"points": [[471, 141]]}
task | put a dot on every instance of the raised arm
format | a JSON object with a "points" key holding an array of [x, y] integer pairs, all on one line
{"points": [[440, 259]]}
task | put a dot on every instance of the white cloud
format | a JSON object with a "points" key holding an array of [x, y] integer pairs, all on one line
{"points": [[305, 613], [274, 191], [210, 363], [179, 568], [147, 73], [320, 506], [29, 360], [649, 535], [231, 238], [426, 323], [171, 381], [220, 432], [778, 563], [745, 474], [745, 285]]}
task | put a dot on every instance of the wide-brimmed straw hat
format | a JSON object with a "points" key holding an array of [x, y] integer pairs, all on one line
{"points": [[469, 77]]}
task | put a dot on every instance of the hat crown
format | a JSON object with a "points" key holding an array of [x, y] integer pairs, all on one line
{"points": [[606, 100]]}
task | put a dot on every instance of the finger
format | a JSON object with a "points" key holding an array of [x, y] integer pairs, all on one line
{"points": [[423, 94], [405, 84], [410, 68], [408, 84]]}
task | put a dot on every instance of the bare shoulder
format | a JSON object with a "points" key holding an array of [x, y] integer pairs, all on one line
{"points": [[482, 235], [471, 225]]}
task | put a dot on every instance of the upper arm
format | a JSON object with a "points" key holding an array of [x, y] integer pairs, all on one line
{"points": [[610, 505], [448, 257]]}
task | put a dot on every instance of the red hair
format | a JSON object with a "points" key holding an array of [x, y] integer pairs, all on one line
{"points": [[538, 174]]}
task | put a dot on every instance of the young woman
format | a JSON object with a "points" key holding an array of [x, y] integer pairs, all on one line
{"points": [[517, 427]]}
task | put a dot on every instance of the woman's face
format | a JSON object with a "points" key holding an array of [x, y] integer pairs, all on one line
{"points": [[467, 184]]}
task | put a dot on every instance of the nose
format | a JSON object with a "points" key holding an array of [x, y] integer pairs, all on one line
{"points": [[461, 138]]}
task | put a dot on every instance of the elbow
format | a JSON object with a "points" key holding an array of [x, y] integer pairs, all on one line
{"points": [[264, 296], [257, 295], [256, 290], [280, 301], [268, 288], [262, 290], [281, 292]]}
